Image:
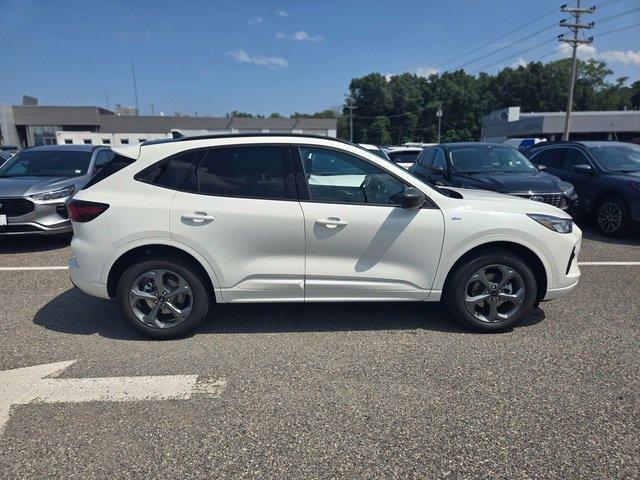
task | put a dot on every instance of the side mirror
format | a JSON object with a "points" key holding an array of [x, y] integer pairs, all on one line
{"points": [[583, 168], [437, 169], [412, 198]]}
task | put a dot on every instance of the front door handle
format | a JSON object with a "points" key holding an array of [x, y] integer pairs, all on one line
{"points": [[332, 222], [198, 217]]}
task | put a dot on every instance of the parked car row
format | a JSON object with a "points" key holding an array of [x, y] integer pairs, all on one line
{"points": [[595, 180]]}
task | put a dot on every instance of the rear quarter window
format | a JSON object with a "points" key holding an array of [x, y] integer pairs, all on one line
{"points": [[117, 163]]}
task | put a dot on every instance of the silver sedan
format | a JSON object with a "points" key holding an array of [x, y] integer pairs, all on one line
{"points": [[36, 184]]}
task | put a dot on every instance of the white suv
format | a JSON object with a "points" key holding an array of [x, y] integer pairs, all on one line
{"points": [[170, 227]]}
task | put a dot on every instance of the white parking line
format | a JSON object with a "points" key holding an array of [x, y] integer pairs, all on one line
{"points": [[608, 263], [26, 269]]}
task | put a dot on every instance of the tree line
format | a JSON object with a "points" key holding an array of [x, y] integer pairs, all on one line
{"points": [[402, 108]]}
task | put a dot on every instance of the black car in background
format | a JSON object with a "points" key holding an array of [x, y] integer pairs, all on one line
{"points": [[606, 176], [490, 166]]}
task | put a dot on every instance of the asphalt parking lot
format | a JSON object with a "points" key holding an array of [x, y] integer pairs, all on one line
{"points": [[325, 391]]}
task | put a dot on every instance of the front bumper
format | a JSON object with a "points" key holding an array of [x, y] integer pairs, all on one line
{"points": [[46, 218], [567, 270]]}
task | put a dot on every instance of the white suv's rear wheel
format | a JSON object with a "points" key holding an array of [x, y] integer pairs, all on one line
{"points": [[163, 298], [492, 291]]}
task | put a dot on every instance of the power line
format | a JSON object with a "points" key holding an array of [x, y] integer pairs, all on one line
{"points": [[522, 39], [605, 4], [504, 35], [617, 15], [515, 55]]}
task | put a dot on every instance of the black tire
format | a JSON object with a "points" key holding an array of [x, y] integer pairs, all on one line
{"points": [[613, 205], [200, 297], [457, 284]]}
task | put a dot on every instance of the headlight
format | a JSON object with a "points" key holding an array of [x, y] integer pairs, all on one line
{"points": [[560, 225], [53, 194], [569, 191]]}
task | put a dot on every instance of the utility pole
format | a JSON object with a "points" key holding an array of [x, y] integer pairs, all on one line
{"points": [[439, 115], [135, 86], [153, 109], [106, 97], [351, 109], [574, 42]]}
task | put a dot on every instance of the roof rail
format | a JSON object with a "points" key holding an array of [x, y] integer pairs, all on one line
{"points": [[183, 138]]}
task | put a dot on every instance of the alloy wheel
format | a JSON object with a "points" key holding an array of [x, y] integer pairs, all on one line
{"points": [[161, 298], [494, 293], [610, 217]]}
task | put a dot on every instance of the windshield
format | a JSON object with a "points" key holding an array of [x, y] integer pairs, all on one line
{"points": [[618, 158], [490, 159], [403, 156], [47, 163]]}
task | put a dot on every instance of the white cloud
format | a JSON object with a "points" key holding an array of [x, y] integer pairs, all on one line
{"points": [[255, 21], [630, 57], [520, 62], [626, 58], [301, 36], [242, 56], [427, 71], [282, 13]]}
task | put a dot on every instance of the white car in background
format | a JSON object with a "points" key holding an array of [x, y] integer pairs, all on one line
{"points": [[171, 227], [375, 150], [403, 156]]}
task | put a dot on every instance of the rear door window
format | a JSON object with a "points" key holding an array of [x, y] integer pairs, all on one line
{"points": [[262, 171], [551, 158], [574, 157]]}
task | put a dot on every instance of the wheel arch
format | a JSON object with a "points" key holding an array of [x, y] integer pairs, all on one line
{"points": [[126, 257], [532, 259], [606, 193]]}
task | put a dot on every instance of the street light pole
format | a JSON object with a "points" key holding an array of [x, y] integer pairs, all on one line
{"points": [[439, 115], [351, 109]]}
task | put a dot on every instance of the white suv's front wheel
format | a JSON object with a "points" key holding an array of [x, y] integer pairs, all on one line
{"points": [[163, 298], [492, 291]]}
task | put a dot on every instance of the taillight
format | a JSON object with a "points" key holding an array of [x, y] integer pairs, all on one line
{"points": [[83, 211]]}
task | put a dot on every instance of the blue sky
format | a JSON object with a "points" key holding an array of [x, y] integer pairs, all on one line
{"points": [[273, 56]]}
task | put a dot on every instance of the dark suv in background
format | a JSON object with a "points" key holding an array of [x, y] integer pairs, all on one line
{"points": [[606, 176], [491, 166]]}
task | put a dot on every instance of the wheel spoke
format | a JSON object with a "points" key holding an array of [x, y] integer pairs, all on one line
{"points": [[151, 318], [178, 314], [183, 287], [481, 276], [514, 298], [476, 299], [507, 274], [140, 295]]}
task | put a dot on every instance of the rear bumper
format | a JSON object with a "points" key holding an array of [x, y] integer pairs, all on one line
{"points": [[80, 282]]}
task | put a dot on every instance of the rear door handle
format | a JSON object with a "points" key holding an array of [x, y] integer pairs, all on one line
{"points": [[198, 217], [332, 222]]}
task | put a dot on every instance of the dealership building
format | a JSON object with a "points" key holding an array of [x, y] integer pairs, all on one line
{"points": [[34, 125], [499, 125]]}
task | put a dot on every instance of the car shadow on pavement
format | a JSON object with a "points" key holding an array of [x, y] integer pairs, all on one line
{"points": [[33, 243], [73, 312], [590, 233]]}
